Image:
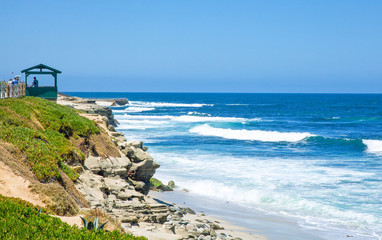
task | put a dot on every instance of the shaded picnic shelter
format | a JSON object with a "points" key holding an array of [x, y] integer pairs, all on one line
{"points": [[47, 92]]}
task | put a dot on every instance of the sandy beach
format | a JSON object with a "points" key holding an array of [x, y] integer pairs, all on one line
{"points": [[251, 223]]}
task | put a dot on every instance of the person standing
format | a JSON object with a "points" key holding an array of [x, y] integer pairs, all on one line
{"points": [[35, 82]]}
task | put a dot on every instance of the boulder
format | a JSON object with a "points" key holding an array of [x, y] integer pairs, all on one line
{"points": [[171, 184], [108, 167], [136, 144], [144, 170], [137, 155], [92, 187], [115, 185], [122, 101], [157, 185]]}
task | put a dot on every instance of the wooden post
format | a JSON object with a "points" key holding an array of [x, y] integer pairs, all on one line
{"points": [[23, 89], [2, 90]]}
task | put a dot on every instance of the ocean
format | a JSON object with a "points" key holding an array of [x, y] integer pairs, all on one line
{"points": [[315, 158]]}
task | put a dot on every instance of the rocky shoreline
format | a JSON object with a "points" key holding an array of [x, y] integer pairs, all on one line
{"points": [[119, 186]]}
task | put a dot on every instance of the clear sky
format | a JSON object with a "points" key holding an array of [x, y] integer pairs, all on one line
{"points": [[197, 45]]}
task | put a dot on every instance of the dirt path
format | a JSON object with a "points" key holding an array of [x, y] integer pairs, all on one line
{"points": [[12, 185]]}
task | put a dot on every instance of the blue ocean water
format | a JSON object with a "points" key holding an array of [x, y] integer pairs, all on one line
{"points": [[314, 157]]}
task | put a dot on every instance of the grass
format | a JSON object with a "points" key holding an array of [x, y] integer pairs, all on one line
{"points": [[43, 130], [20, 220], [47, 139]]}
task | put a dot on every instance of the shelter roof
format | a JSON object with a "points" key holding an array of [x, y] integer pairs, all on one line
{"points": [[41, 67]]}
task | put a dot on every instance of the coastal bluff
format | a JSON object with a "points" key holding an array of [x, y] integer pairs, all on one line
{"points": [[120, 187], [68, 159]]}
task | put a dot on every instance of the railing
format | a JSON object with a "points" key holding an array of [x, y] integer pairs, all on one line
{"points": [[12, 90]]}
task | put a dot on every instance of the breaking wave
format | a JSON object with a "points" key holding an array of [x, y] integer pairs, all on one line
{"points": [[166, 104], [254, 135], [134, 110], [373, 146], [185, 118]]}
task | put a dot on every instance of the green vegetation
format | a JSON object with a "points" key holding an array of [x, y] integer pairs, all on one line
{"points": [[21, 220], [103, 217], [157, 185], [93, 225], [45, 131], [155, 182], [46, 141]]}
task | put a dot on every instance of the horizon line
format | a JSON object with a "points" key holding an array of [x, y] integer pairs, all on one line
{"points": [[226, 92]]}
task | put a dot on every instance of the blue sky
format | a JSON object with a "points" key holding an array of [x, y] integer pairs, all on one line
{"points": [[197, 46]]}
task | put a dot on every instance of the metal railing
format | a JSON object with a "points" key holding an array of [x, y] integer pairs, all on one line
{"points": [[12, 90]]}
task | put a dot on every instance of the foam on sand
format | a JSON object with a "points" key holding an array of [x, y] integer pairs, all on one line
{"points": [[255, 135]]}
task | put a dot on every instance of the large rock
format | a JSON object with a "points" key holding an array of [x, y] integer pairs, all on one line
{"points": [[143, 165], [108, 167], [137, 155], [122, 101], [92, 187]]}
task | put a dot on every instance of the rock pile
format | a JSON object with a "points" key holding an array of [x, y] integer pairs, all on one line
{"points": [[120, 185]]}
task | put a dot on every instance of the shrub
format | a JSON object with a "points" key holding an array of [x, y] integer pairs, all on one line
{"points": [[42, 130], [20, 220]]}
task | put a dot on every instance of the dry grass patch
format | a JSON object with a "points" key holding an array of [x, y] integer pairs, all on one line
{"points": [[58, 200], [102, 145]]}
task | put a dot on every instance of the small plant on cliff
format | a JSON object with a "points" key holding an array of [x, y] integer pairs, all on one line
{"points": [[157, 185], [93, 225]]}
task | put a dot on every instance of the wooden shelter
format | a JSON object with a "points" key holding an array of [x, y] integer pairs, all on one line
{"points": [[47, 92]]}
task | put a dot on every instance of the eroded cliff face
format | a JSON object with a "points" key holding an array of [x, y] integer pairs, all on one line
{"points": [[119, 183], [132, 163], [135, 166]]}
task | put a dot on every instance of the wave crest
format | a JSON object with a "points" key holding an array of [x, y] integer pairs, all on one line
{"points": [[166, 104], [254, 135], [373, 146], [134, 110]]}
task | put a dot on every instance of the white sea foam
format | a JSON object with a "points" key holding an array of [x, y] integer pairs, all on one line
{"points": [[319, 215], [282, 186], [126, 123], [237, 104], [152, 117], [166, 104], [373, 146], [255, 135], [140, 121], [104, 103], [199, 114], [134, 109], [186, 118]]}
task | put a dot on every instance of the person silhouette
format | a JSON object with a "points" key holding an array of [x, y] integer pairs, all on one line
{"points": [[35, 82]]}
